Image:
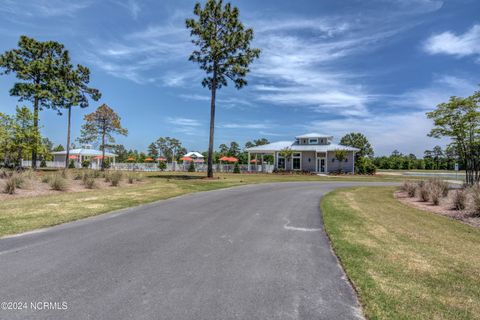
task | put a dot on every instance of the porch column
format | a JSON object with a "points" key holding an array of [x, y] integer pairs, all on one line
{"points": [[316, 162], [326, 161], [262, 163], [248, 162]]}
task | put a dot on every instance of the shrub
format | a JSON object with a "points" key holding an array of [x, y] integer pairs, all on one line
{"points": [[89, 181], [18, 179], [365, 165], [475, 194], [423, 192], [409, 187], [435, 192], [57, 182], [71, 164], [85, 164], [107, 176], [162, 165], [4, 174], [115, 178], [139, 177], [106, 163], [10, 185], [460, 199], [43, 163], [439, 183], [191, 168], [131, 177], [46, 178], [236, 168]]}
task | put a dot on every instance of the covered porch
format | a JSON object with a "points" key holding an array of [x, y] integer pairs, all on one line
{"points": [[310, 161]]}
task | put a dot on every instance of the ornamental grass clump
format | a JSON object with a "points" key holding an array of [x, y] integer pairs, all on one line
{"points": [[475, 195], [459, 199], [57, 182], [435, 192], [115, 178], [10, 185], [439, 183], [89, 181], [409, 187], [131, 177], [422, 191]]}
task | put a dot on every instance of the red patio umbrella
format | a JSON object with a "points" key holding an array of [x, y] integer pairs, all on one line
{"points": [[232, 159], [254, 161], [72, 157], [224, 158], [98, 157]]}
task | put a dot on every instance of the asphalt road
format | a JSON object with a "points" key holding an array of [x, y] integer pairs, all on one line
{"points": [[252, 252]]}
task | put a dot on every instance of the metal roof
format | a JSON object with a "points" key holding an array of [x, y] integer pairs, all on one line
{"points": [[281, 145], [195, 154], [84, 152], [313, 135]]}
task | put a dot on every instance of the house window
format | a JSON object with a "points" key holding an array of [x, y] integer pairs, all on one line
{"points": [[313, 141], [281, 162], [297, 161]]}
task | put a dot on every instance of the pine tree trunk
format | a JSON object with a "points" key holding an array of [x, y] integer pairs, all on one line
{"points": [[35, 127], [68, 136], [212, 124], [103, 151]]}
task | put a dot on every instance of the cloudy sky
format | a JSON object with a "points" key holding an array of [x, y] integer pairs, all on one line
{"points": [[327, 66]]}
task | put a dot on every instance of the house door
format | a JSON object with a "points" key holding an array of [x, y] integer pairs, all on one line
{"points": [[321, 165]]}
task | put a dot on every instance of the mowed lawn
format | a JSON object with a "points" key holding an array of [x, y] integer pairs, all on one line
{"points": [[405, 263], [25, 214]]}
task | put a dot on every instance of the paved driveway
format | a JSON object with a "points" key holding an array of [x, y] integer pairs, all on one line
{"points": [[252, 252]]}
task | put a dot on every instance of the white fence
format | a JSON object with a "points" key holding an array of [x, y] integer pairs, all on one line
{"points": [[180, 167]]}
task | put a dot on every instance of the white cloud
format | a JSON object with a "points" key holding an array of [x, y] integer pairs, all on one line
{"points": [[461, 45], [183, 122], [235, 125], [302, 69], [441, 89], [44, 8]]}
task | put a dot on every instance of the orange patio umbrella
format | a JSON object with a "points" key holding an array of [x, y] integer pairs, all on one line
{"points": [[148, 159], [232, 159], [98, 157], [130, 159], [224, 158], [72, 157], [254, 161], [186, 159]]}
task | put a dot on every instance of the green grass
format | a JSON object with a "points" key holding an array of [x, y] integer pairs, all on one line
{"points": [[24, 214], [404, 263]]}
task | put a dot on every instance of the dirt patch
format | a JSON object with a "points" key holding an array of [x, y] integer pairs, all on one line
{"points": [[445, 208]]}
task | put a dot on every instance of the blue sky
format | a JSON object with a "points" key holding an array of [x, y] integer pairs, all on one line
{"points": [[327, 66]]}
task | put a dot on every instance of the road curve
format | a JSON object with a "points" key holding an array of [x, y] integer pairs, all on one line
{"points": [[252, 252]]}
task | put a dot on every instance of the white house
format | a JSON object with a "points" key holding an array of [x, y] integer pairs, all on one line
{"points": [[313, 152], [86, 153]]}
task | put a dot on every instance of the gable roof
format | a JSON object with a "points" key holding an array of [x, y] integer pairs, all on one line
{"points": [[194, 154]]}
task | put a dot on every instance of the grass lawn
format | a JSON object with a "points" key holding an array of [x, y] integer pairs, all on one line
{"points": [[24, 214], [405, 263]]}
